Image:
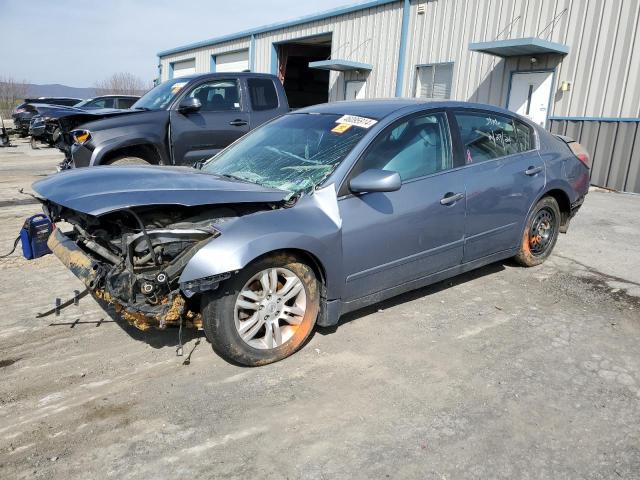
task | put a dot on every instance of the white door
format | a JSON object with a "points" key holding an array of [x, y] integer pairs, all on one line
{"points": [[530, 95], [186, 67], [355, 90], [232, 62]]}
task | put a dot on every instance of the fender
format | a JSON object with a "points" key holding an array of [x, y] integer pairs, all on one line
{"points": [[117, 143], [244, 239]]}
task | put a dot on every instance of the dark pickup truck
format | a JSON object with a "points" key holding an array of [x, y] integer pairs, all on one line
{"points": [[180, 122]]}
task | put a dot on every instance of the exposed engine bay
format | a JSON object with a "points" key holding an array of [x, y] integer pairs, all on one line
{"points": [[133, 258]]}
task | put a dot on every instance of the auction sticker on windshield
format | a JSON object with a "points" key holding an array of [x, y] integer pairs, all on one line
{"points": [[356, 121], [341, 128]]}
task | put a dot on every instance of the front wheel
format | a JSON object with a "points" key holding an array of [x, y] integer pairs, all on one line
{"points": [[264, 313], [128, 161], [540, 233]]}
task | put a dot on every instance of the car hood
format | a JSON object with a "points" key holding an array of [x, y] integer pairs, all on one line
{"points": [[99, 190], [56, 111]]}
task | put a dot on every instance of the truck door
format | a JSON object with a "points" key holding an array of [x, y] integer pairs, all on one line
{"points": [[222, 119]]}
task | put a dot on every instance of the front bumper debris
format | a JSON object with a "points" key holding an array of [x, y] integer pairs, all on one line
{"points": [[171, 311]]}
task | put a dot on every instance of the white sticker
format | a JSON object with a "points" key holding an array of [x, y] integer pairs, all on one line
{"points": [[362, 122]]}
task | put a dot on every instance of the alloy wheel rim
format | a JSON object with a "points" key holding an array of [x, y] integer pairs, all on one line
{"points": [[270, 308], [542, 231]]}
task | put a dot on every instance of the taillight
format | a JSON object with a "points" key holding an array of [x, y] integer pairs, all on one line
{"points": [[584, 158], [579, 151], [20, 110]]}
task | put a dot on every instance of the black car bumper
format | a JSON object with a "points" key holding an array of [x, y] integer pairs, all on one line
{"points": [[81, 155]]}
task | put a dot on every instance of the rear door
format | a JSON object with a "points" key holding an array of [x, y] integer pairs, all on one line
{"points": [[221, 120], [504, 174], [394, 237]]}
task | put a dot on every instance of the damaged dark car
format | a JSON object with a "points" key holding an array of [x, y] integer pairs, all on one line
{"points": [[315, 214]]}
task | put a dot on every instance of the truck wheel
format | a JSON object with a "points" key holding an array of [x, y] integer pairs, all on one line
{"points": [[128, 161], [540, 234], [264, 313]]}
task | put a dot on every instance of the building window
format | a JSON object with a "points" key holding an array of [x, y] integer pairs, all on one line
{"points": [[434, 81]]}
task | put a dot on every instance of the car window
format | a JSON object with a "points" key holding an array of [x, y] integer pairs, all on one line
{"points": [[221, 95], [486, 136], [263, 94], [413, 148], [126, 102], [100, 103], [295, 152], [523, 133]]}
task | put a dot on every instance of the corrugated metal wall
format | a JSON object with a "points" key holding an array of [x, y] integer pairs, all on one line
{"points": [[202, 56], [614, 148], [602, 34], [371, 36], [603, 64]]}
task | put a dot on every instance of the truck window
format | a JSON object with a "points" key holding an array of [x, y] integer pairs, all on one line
{"points": [[263, 94], [217, 96]]}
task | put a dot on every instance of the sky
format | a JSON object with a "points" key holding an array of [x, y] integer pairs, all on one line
{"points": [[78, 43]]}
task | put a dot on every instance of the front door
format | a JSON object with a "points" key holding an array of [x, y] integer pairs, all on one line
{"points": [[220, 121], [395, 237], [503, 177], [530, 95]]}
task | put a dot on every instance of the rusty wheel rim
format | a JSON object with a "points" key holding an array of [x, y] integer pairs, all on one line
{"points": [[542, 231], [270, 308]]}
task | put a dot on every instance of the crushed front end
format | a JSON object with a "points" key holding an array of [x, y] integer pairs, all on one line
{"points": [[133, 259]]}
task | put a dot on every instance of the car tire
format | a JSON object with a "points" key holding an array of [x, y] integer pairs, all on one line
{"points": [[226, 321], [540, 233], [128, 161]]}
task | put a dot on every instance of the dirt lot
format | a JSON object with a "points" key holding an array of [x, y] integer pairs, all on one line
{"points": [[502, 373]]}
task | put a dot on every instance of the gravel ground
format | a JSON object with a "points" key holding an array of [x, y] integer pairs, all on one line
{"points": [[501, 373]]}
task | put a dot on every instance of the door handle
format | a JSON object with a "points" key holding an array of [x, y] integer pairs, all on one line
{"points": [[237, 123], [532, 171], [450, 198]]}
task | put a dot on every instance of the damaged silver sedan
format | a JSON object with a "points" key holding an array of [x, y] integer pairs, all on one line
{"points": [[312, 215]]}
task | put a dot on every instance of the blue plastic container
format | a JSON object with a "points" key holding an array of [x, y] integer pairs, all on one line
{"points": [[34, 235]]}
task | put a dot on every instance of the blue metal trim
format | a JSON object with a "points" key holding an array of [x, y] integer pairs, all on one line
{"points": [[406, 9], [519, 46], [170, 73], [340, 65], [290, 23], [252, 53], [212, 65], [595, 119]]}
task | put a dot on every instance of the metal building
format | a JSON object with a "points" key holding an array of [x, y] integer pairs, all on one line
{"points": [[571, 65]]}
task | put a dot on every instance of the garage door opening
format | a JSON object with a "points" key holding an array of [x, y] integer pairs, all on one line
{"points": [[304, 86]]}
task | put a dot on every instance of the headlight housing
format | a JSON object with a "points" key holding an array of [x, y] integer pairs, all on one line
{"points": [[81, 136]]}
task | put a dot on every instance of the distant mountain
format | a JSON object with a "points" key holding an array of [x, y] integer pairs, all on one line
{"points": [[57, 90]]}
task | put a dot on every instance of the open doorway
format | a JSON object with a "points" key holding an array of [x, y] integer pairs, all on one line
{"points": [[304, 86]]}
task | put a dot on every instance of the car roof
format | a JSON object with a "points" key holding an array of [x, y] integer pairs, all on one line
{"points": [[380, 108], [200, 76]]}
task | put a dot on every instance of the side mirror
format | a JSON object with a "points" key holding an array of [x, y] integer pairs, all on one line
{"points": [[374, 180], [189, 105]]}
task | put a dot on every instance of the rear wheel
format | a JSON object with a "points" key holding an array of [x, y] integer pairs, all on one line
{"points": [[128, 161], [540, 234], [264, 313]]}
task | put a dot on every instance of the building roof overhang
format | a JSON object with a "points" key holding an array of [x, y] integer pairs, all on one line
{"points": [[339, 65], [519, 46]]}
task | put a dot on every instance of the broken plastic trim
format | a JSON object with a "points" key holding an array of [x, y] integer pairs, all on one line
{"points": [[190, 288]]}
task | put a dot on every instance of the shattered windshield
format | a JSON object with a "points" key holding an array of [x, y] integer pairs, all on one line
{"points": [[293, 153], [161, 96]]}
